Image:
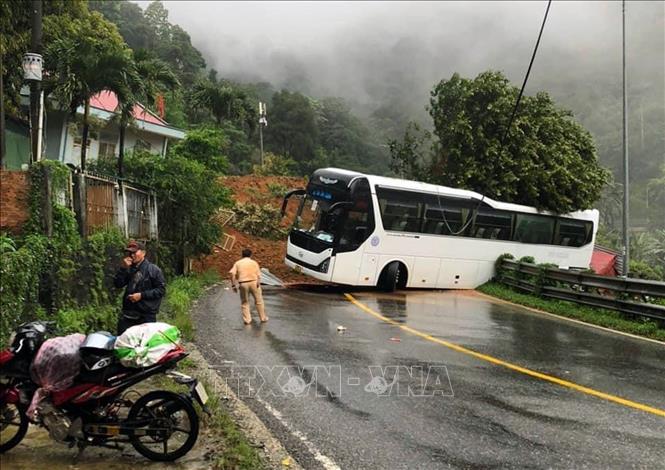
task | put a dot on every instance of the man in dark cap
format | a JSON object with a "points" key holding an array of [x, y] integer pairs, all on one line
{"points": [[144, 287]]}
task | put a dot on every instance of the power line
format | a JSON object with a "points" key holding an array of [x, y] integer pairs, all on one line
{"points": [[526, 77]]}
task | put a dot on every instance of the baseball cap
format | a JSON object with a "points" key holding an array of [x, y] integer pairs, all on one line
{"points": [[133, 246]]}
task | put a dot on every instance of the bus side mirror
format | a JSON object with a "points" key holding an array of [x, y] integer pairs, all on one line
{"points": [[340, 205], [294, 192]]}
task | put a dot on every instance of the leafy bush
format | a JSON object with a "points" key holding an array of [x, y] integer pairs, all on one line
{"points": [[260, 221], [87, 319], [276, 189], [276, 165], [642, 270], [204, 145], [498, 266], [188, 195], [180, 294], [20, 274]]}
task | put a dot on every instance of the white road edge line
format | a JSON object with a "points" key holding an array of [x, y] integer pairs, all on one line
{"points": [[327, 462]]}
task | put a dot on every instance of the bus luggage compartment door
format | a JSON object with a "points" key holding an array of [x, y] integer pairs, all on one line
{"points": [[425, 272], [458, 274], [368, 270]]}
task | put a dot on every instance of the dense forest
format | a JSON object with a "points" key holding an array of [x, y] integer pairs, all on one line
{"points": [[307, 131], [352, 132]]}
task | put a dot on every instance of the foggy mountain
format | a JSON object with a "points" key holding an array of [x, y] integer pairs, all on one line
{"points": [[385, 57]]}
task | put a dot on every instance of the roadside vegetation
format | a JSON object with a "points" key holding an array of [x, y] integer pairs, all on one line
{"points": [[501, 287]]}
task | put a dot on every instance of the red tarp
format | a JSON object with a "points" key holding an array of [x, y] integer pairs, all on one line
{"points": [[603, 262]]}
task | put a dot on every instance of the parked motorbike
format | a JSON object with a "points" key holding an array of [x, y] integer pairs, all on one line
{"points": [[98, 409]]}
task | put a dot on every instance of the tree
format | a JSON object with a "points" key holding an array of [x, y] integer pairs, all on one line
{"points": [[145, 77], [206, 146], [345, 139], [134, 27], [84, 56], [187, 190], [293, 130], [226, 102], [547, 159]]}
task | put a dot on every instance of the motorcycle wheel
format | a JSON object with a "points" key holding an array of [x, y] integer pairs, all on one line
{"points": [[13, 426], [172, 429]]}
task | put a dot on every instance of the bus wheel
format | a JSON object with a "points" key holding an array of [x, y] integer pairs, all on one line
{"points": [[392, 277]]}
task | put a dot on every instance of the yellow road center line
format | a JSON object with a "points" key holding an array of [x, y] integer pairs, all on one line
{"points": [[508, 365]]}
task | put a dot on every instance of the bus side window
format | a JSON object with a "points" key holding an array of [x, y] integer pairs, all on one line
{"points": [[571, 232], [537, 229], [492, 224]]}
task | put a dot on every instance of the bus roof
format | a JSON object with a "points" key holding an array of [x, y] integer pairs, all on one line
{"points": [[590, 214]]}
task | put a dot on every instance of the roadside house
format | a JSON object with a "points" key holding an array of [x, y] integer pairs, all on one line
{"points": [[62, 133]]}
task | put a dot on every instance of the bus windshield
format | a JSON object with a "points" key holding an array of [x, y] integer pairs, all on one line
{"points": [[315, 220]]}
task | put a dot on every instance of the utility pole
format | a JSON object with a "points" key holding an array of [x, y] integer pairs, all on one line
{"points": [[262, 122], [34, 62], [626, 186], [3, 137]]}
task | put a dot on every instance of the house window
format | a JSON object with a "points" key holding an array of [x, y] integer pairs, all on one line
{"points": [[79, 138], [77, 142], [107, 149]]}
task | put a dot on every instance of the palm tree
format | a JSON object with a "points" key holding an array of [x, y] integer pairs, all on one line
{"points": [[217, 97], [144, 80], [79, 69], [226, 102]]}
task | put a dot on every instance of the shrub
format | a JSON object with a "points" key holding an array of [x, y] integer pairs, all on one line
{"points": [[87, 319], [259, 221], [641, 270]]}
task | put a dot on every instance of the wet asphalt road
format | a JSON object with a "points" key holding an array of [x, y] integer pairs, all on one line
{"points": [[340, 410]]}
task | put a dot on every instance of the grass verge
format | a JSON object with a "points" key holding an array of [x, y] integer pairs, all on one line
{"points": [[235, 452], [595, 316], [180, 295]]}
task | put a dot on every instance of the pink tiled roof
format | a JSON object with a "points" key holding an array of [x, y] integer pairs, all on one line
{"points": [[108, 101]]}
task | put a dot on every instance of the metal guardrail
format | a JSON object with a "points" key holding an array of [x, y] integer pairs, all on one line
{"points": [[624, 295]]}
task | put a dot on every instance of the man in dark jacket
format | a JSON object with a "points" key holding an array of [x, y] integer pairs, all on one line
{"points": [[144, 287]]}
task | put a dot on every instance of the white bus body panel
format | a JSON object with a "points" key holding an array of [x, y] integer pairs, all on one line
{"points": [[310, 258], [437, 261]]}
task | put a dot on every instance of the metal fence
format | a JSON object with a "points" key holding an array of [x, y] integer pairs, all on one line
{"points": [[101, 202], [625, 295], [110, 202]]}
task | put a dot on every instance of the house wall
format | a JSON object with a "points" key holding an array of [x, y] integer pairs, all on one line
{"points": [[133, 135], [53, 134], [72, 153], [13, 200]]}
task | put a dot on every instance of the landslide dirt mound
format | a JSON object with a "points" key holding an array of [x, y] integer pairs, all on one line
{"points": [[261, 190]]}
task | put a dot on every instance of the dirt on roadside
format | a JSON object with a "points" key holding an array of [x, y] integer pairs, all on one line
{"points": [[262, 190]]}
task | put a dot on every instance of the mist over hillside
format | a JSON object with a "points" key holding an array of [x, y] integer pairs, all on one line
{"points": [[385, 57]]}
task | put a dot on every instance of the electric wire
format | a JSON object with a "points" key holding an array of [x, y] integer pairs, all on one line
{"points": [[510, 122]]}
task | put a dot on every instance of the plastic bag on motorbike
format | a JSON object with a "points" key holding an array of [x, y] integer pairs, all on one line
{"points": [[144, 345], [55, 366]]}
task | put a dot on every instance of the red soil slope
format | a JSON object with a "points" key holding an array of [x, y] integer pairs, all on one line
{"points": [[268, 253]]}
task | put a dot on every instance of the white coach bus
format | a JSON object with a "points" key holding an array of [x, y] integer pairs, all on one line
{"points": [[365, 230]]}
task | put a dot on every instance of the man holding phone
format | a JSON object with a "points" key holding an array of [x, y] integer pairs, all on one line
{"points": [[144, 287]]}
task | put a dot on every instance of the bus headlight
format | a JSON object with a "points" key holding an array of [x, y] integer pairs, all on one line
{"points": [[323, 267]]}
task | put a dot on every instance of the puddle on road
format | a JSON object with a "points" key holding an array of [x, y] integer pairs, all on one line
{"points": [[38, 451]]}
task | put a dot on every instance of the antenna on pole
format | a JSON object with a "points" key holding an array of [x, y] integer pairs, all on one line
{"points": [[262, 122]]}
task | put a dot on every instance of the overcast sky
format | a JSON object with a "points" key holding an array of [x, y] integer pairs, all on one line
{"points": [[367, 50]]}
